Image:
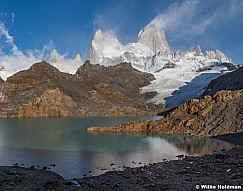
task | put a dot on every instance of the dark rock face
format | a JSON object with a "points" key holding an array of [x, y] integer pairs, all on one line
{"points": [[1, 80], [169, 65], [44, 91], [231, 81], [219, 114]]}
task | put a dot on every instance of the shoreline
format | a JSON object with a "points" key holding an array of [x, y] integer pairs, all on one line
{"points": [[224, 168]]}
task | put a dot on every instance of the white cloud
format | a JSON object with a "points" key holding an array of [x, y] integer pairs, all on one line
{"points": [[9, 39], [194, 17], [16, 60], [13, 16]]}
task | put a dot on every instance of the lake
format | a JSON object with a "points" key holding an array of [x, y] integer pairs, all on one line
{"points": [[75, 152]]}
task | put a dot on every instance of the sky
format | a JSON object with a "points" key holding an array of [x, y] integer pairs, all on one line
{"points": [[30, 29]]}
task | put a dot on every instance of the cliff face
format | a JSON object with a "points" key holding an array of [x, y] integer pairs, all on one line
{"points": [[1, 80], [44, 91], [231, 81], [154, 39], [210, 115]]}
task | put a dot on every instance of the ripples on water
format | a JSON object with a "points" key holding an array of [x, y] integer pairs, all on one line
{"points": [[66, 143]]}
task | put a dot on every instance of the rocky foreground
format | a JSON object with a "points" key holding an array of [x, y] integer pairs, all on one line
{"points": [[224, 169]]}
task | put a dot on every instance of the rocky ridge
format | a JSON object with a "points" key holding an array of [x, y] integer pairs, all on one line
{"points": [[44, 91], [210, 115], [230, 81]]}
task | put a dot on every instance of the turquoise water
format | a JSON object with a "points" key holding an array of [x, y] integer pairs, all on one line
{"points": [[75, 152]]}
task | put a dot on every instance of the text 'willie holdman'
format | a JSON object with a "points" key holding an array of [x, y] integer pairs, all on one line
{"points": [[218, 187]]}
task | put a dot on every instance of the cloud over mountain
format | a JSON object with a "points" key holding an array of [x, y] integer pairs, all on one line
{"points": [[194, 17], [13, 60]]}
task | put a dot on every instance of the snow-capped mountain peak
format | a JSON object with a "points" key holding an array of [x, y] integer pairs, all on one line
{"points": [[105, 49], [98, 37], [55, 56], [197, 50], [217, 55], [78, 58], [180, 76], [154, 39], [65, 64]]}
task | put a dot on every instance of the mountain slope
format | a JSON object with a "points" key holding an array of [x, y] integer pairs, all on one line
{"points": [[123, 77], [44, 91], [231, 81]]}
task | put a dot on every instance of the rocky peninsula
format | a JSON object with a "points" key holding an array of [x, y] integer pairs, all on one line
{"points": [[208, 116]]}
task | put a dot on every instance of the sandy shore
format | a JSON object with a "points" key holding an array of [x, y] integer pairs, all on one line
{"points": [[222, 170]]}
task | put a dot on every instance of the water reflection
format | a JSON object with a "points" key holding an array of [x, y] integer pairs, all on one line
{"points": [[75, 152]]}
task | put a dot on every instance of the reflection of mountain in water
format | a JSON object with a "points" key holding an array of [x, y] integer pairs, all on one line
{"points": [[205, 146], [194, 145], [66, 143]]}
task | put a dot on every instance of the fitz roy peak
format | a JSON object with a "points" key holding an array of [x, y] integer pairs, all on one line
{"points": [[106, 50], [152, 38], [180, 76]]}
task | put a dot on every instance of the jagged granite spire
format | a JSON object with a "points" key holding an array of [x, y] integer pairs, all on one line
{"points": [[151, 37], [105, 49], [197, 50], [95, 47]]}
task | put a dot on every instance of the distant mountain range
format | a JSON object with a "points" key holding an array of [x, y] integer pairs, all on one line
{"points": [[154, 76], [180, 76]]}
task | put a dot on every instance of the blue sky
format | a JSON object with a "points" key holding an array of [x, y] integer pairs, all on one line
{"points": [[69, 25]]}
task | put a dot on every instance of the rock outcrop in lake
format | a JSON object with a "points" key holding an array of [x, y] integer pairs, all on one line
{"points": [[44, 91], [210, 115]]}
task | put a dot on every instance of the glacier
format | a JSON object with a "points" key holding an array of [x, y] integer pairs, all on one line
{"points": [[179, 76]]}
